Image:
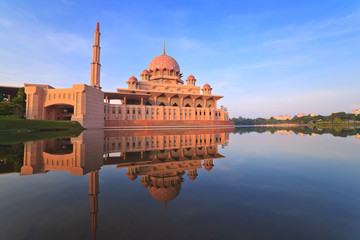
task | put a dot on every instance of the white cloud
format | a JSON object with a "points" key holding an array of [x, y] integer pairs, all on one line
{"points": [[6, 23], [329, 28], [68, 42]]}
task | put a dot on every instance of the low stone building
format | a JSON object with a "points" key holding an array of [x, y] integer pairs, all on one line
{"points": [[284, 117]]}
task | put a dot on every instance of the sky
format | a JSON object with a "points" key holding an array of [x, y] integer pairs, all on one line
{"points": [[265, 57]]}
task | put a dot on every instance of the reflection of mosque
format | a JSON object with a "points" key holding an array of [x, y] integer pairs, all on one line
{"points": [[158, 157]]}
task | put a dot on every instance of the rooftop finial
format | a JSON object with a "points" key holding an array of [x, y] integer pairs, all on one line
{"points": [[97, 27], [164, 48]]}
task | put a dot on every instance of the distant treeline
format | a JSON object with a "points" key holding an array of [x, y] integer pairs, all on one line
{"points": [[335, 118]]}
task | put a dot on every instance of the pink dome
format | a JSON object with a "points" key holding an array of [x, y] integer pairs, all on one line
{"points": [[133, 79], [145, 72], [164, 61], [206, 86], [191, 77]]}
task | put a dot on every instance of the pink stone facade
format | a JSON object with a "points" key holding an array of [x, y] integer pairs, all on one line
{"points": [[160, 98]]}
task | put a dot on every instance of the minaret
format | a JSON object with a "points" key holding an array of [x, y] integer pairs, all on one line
{"points": [[164, 48], [95, 65], [93, 192]]}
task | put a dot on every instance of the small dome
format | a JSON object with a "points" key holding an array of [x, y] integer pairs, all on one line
{"points": [[164, 61], [132, 177], [133, 79], [145, 72], [206, 86], [191, 77]]}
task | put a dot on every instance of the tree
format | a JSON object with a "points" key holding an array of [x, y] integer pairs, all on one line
{"points": [[223, 108], [20, 99], [7, 108], [337, 121], [1, 97]]}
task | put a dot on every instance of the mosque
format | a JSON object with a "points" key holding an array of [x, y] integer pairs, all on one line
{"points": [[158, 99]]}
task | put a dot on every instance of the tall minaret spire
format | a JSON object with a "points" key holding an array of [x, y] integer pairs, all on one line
{"points": [[164, 48], [95, 65]]}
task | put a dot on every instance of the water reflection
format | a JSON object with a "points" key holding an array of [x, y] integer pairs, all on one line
{"points": [[159, 158], [336, 131], [283, 178]]}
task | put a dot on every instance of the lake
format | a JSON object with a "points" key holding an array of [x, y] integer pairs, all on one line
{"points": [[224, 183]]}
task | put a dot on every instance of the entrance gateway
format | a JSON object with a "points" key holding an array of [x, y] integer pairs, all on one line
{"points": [[159, 99]]}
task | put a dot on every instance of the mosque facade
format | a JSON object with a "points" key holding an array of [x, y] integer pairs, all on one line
{"points": [[159, 98]]}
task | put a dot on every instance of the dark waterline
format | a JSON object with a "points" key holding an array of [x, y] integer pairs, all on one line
{"points": [[181, 184]]}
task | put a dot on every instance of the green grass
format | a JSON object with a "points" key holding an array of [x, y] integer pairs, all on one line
{"points": [[15, 130]]}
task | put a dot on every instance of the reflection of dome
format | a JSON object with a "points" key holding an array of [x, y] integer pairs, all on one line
{"points": [[132, 177], [164, 61], [208, 167], [165, 194], [145, 183], [132, 79], [192, 177]]}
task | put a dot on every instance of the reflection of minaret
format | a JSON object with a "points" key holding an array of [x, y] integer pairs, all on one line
{"points": [[93, 192], [95, 65]]}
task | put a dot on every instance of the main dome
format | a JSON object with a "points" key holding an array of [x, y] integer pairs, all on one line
{"points": [[164, 61]]}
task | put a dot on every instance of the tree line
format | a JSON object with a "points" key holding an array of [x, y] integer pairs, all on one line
{"points": [[334, 118]]}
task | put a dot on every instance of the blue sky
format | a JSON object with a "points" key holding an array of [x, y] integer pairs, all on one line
{"points": [[265, 57]]}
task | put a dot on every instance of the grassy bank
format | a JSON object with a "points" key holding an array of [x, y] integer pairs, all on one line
{"points": [[16, 130]]}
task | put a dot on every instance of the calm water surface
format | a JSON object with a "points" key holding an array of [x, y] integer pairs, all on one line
{"points": [[183, 184]]}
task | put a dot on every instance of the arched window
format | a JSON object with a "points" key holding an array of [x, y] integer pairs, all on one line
{"points": [[187, 105], [148, 104], [199, 106], [162, 104], [175, 105]]}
